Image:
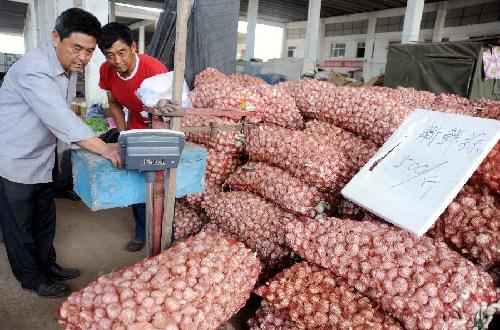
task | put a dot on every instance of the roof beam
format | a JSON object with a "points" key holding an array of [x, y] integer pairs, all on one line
{"points": [[393, 3], [372, 5], [140, 24], [142, 3], [296, 10], [136, 13], [345, 5]]}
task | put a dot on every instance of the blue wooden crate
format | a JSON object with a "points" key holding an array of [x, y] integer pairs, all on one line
{"points": [[101, 186]]}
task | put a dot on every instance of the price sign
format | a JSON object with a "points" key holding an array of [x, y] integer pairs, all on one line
{"points": [[420, 169]]}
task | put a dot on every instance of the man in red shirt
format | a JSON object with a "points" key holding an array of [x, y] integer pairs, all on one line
{"points": [[120, 76]]}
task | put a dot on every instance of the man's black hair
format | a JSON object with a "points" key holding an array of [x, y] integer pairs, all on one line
{"points": [[77, 20], [111, 33]]}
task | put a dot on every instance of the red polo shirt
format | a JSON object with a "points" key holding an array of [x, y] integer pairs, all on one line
{"points": [[123, 89]]}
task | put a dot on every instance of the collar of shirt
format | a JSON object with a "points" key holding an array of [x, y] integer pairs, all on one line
{"points": [[56, 64]]}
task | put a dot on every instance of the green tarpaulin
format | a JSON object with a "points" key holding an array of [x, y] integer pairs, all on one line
{"points": [[454, 67]]}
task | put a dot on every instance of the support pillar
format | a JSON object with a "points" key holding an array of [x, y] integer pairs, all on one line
{"points": [[142, 37], [46, 14], [437, 33], [413, 17], [312, 33], [30, 28], [369, 49], [284, 48], [112, 15], [93, 94], [253, 10]]}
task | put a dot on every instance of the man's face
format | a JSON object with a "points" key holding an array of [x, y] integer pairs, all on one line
{"points": [[75, 51], [121, 56]]}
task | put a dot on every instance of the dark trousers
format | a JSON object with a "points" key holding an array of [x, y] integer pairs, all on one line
{"points": [[28, 221], [139, 211]]}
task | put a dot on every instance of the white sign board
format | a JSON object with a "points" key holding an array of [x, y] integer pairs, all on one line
{"points": [[420, 169]]}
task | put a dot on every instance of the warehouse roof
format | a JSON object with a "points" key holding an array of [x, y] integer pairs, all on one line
{"points": [[296, 10], [13, 14]]}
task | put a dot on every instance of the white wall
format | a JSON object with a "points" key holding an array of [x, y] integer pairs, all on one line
{"points": [[374, 64], [93, 93], [30, 31]]}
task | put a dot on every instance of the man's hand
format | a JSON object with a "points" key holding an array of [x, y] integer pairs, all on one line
{"points": [[162, 108], [165, 105], [105, 150], [112, 152]]}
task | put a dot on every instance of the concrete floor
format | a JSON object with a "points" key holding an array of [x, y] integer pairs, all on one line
{"points": [[94, 242]]}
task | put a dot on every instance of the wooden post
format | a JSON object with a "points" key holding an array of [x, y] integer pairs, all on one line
{"points": [[183, 9]]}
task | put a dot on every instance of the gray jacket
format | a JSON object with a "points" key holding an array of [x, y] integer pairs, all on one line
{"points": [[34, 114]]}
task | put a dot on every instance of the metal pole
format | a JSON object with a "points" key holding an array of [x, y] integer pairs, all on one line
{"points": [[150, 181], [183, 9]]}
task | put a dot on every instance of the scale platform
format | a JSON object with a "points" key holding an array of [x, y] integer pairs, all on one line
{"points": [[101, 186]]}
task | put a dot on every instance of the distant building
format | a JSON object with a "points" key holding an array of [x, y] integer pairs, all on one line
{"points": [[6, 61], [350, 42]]}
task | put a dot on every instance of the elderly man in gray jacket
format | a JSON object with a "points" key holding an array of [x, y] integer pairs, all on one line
{"points": [[34, 114]]}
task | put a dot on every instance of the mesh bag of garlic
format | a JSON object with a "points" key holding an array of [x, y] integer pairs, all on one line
{"points": [[203, 95], [453, 104], [419, 281], [488, 173], [345, 209], [188, 221], [211, 75], [207, 76], [279, 107], [272, 104], [195, 200], [370, 113], [316, 163], [279, 187], [306, 93], [471, 225], [196, 284], [357, 150], [245, 80], [225, 141], [410, 96], [315, 298], [220, 165], [487, 108], [267, 318], [251, 220]]}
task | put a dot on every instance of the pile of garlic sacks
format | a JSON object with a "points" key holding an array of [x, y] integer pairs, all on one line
{"points": [[421, 282], [277, 191], [297, 170]]}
